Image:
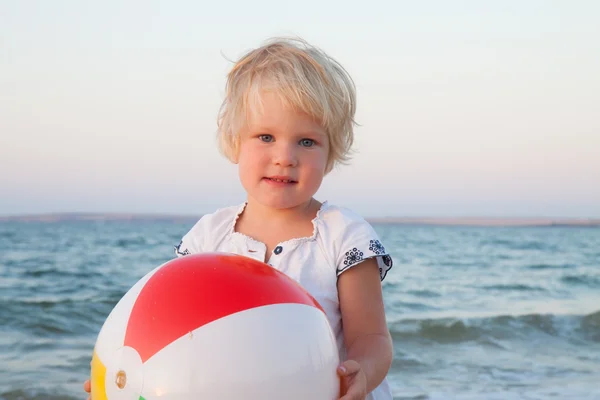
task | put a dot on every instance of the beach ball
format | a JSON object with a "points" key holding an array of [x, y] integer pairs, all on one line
{"points": [[215, 326]]}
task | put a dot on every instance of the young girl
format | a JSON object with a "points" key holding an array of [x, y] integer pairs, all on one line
{"points": [[287, 120]]}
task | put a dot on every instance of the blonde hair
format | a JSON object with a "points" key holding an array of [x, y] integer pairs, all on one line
{"points": [[305, 78]]}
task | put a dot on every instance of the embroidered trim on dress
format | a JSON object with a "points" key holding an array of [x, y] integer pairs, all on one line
{"points": [[355, 256], [376, 247], [178, 250], [387, 261]]}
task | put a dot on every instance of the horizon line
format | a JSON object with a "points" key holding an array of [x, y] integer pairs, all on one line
{"points": [[406, 220]]}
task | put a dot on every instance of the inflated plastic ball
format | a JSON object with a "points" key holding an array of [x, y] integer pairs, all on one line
{"points": [[215, 326]]}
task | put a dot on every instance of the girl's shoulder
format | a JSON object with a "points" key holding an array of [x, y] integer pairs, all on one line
{"points": [[337, 217], [350, 239], [208, 230]]}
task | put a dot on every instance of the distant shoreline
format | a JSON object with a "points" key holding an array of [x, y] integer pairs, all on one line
{"points": [[489, 221], [435, 221]]}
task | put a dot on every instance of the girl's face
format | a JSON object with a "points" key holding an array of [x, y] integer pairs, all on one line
{"points": [[282, 155]]}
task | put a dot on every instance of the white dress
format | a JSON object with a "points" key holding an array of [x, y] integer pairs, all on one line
{"points": [[341, 239]]}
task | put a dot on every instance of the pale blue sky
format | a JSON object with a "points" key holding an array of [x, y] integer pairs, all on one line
{"points": [[466, 107]]}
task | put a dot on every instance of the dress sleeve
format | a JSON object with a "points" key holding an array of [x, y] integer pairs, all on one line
{"points": [[191, 242], [357, 242]]}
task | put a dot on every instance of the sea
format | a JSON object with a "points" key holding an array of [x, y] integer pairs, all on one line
{"points": [[475, 312]]}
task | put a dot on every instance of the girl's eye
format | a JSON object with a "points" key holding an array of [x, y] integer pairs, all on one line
{"points": [[266, 138], [307, 142]]}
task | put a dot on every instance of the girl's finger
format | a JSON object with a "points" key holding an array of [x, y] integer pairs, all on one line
{"points": [[349, 367]]}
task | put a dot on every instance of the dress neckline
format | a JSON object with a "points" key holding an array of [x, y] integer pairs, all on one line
{"points": [[298, 240]]}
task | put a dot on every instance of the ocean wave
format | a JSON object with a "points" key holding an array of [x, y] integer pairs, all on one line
{"points": [[588, 280], [134, 242], [20, 394], [52, 317], [543, 266], [517, 287], [424, 293], [591, 324], [520, 244], [491, 330]]}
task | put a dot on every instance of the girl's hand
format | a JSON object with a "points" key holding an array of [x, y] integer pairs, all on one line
{"points": [[87, 386], [353, 381]]}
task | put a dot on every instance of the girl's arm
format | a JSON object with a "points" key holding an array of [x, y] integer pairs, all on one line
{"points": [[368, 340]]}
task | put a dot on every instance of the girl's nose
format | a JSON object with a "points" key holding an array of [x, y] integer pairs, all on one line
{"points": [[285, 156]]}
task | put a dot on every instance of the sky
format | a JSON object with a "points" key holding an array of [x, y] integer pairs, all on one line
{"points": [[466, 108]]}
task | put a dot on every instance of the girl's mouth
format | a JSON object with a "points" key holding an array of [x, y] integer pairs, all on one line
{"points": [[280, 180]]}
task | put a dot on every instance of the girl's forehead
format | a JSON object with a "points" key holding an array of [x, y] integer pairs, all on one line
{"points": [[277, 114]]}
